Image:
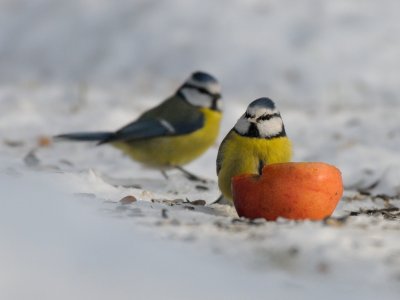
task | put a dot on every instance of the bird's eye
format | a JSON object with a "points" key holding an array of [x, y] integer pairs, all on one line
{"points": [[265, 117], [207, 92], [248, 115], [269, 116], [203, 91]]}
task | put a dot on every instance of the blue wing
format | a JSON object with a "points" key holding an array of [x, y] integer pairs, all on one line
{"points": [[151, 128], [172, 117]]}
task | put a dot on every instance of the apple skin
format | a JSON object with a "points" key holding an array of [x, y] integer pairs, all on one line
{"points": [[294, 190]]}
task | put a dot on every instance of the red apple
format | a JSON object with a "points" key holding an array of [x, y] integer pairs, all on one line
{"points": [[294, 190]]}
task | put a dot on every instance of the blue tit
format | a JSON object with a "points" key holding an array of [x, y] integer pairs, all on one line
{"points": [[172, 134], [258, 138]]}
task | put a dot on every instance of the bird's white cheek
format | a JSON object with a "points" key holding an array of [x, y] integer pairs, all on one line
{"points": [[270, 127], [196, 98]]}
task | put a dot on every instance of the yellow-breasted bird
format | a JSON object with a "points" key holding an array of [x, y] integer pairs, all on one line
{"points": [[258, 138], [173, 133]]}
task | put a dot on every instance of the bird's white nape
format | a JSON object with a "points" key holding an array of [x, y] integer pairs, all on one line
{"points": [[242, 125]]}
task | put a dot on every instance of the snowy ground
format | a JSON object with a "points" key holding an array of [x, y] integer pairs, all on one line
{"points": [[66, 66]]}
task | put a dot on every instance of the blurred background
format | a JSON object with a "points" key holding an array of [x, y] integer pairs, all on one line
{"points": [[342, 52], [331, 66]]}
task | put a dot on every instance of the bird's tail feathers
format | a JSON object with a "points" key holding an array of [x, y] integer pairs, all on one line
{"points": [[86, 136]]}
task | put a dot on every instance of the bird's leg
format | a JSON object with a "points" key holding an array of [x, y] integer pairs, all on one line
{"points": [[164, 174], [222, 200], [189, 175], [260, 167]]}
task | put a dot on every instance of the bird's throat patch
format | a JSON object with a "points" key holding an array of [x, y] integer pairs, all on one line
{"points": [[253, 131]]}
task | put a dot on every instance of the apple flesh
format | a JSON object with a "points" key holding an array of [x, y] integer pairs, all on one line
{"points": [[294, 190]]}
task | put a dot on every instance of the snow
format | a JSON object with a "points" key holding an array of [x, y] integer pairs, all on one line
{"points": [[332, 68]]}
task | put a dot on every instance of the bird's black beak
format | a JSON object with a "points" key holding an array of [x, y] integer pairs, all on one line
{"points": [[215, 102]]}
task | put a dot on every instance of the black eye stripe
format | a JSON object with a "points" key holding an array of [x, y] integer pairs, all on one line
{"points": [[268, 117], [247, 115], [214, 97], [203, 91]]}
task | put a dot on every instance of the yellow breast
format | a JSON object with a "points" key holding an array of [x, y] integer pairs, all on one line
{"points": [[242, 155], [163, 152]]}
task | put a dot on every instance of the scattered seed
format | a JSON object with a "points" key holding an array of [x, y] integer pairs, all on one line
{"points": [[129, 186], [390, 213], [44, 141], [31, 159], [168, 202], [85, 195], [198, 202], [258, 221], [174, 201], [323, 267], [335, 221], [238, 220], [164, 214], [385, 197], [364, 192], [136, 212], [66, 162], [255, 222], [128, 200], [293, 251], [13, 143], [175, 222], [202, 188]]}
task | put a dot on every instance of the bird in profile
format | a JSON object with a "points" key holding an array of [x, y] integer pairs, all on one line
{"points": [[172, 134], [257, 139]]}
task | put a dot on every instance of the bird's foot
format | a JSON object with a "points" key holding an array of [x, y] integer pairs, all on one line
{"points": [[191, 176], [223, 201], [164, 174]]}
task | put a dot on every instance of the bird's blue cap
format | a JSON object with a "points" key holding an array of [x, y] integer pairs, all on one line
{"points": [[263, 102], [203, 77]]}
